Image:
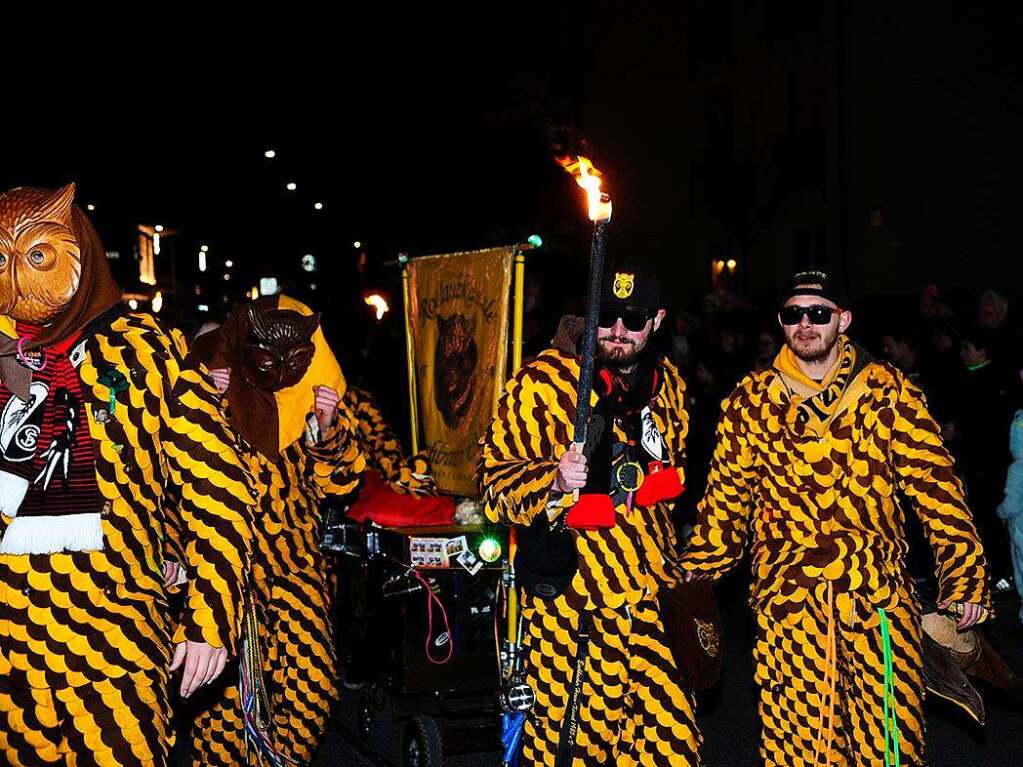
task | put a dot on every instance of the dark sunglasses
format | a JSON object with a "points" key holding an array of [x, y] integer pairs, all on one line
{"points": [[818, 314], [632, 319]]}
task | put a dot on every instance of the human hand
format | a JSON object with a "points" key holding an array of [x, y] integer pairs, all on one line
{"points": [[325, 404], [572, 470], [692, 575], [221, 379], [202, 662], [971, 613], [171, 572]]}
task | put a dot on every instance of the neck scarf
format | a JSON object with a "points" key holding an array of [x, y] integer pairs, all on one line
{"points": [[816, 402], [47, 465]]}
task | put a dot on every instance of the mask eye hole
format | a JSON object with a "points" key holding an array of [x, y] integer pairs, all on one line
{"points": [[36, 257], [3, 260]]}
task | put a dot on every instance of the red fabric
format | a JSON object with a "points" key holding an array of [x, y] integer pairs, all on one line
{"points": [[594, 511], [379, 503], [660, 484]]}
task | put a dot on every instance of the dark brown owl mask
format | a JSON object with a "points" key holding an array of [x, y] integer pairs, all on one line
{"points": [[279, 347]]}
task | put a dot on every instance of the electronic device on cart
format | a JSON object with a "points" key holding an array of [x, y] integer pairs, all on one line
{"points": [[428, 616]]}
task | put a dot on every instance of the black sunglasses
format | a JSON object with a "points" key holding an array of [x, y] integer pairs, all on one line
{"points": [[818, 314], [633, 320]]}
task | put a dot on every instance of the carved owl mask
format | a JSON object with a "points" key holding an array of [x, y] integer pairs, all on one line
{"points": [[279, 347], [40, 255]]}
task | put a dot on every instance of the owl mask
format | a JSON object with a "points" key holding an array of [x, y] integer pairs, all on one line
{"points": [[278, 348], [53, 272], [277, 354]]}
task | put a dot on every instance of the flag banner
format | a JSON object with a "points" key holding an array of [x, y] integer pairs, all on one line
{"points": [[458, 318]]}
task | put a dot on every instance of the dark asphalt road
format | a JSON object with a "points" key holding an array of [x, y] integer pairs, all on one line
{"points": [[727, 717]]}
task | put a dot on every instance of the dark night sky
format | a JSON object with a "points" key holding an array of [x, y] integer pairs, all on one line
{"points": [[431, 132]]}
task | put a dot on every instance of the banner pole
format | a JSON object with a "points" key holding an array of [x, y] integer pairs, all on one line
{"points": [[518, 312], [520, 308], [410, 354]]}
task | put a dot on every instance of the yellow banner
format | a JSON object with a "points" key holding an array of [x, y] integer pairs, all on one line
{"points": [[458, 312]]}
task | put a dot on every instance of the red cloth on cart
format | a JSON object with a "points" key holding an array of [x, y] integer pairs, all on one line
{"points": [[379, 503]]}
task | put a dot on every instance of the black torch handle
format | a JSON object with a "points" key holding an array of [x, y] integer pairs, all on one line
{"points": [[588, 346]]}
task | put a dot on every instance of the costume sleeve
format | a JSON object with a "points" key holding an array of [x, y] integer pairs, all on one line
{"points": [[173, 535], [925, 474], [723, 516], [525, 441], [335, 465], [215, 502], [384, 451], [676, 432]]}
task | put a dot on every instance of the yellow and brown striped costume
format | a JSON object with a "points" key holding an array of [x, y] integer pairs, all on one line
{"points": [[383, 450], [633, 711], [293, 598], [84, 638], [827, 546]]}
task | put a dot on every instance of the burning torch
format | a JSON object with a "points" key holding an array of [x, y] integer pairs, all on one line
{"points": [[588, 178]]}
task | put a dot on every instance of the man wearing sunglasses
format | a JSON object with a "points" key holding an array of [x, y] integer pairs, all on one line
{"points": [[809, 457], [607, 687]]}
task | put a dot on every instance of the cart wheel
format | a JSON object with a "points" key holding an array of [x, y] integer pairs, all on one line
{"points": [[421, 744]]}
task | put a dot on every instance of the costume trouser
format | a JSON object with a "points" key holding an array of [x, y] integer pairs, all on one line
{"points": [[299, 671], [632, 710], [83, 668], [800, 685]]}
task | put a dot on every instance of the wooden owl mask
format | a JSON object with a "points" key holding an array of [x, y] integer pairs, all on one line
{"points": [[279, 348], [40, 256]]}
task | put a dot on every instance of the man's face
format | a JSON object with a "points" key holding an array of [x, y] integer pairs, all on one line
{"points": [[898, 352], [810, 342], [620, 347], [971, 355], [989, 315]]}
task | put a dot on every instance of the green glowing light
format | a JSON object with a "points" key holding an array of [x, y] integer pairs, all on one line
{"points": [[535, 240], [489, 550]]}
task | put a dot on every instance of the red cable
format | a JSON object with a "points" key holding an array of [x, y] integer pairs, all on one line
{"points": [[430, 599]]}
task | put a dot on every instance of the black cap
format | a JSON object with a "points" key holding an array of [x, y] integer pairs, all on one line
{"points": [[631, 286], [814, 283]]}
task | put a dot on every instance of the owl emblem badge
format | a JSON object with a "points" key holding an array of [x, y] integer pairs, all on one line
{"points": [[708, 638], [623, 284]]}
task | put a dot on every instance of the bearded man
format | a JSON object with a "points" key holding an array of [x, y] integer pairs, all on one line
{"points": [[607, 687], [102, 418], [810, 455]]}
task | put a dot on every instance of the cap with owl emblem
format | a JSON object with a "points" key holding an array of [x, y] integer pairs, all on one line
{"points": [[633, 286]]}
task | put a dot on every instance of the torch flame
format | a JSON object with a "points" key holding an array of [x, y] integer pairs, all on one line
{"points": [[379, 303], [588, 178]]}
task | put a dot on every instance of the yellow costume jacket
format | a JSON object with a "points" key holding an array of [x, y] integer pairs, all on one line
{"points": [[532, 429], [165, 437], [817, 498], [383, 450]]}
